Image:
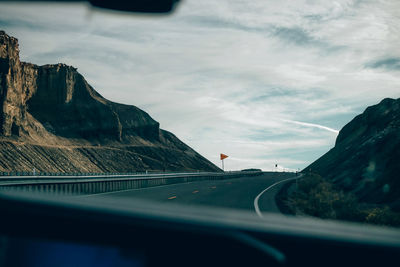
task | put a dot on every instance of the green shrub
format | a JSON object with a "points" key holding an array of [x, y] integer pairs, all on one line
{"points": [[319, 197], [383, 216]]}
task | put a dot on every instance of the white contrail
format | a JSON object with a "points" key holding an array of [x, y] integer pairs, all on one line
{"points": [[313, 125]]}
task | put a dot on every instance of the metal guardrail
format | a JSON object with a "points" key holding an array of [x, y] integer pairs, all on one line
{"points": [[39, 173], [93, 184], [92, 176]]}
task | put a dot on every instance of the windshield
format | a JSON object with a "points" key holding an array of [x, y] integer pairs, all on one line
{"points": [[215, 86]]}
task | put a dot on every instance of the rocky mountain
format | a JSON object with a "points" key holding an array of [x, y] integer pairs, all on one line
{"points": [[51, 119], [366, 156]]}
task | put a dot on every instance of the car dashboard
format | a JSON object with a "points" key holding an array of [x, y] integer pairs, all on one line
{"points": [[45, 230]]}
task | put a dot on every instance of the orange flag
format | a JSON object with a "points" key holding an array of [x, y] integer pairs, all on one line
{"points": [[223, 156]]}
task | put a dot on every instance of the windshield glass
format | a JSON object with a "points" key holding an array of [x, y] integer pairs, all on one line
{"points": [[269, 84]]}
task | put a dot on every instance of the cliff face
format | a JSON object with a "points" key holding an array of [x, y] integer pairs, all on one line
{"points": [[12, 95], [366, 156], [68, 106], [55, 116]]}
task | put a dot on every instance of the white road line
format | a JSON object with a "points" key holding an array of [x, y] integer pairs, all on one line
{"points": [[265, 190]]}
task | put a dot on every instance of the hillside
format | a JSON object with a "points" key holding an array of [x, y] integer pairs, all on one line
{"points": [[366, 158], [51, 119]]}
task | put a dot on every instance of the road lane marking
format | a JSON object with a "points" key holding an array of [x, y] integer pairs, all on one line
{"points": [[195, 191], [256, 207], [173, 197]]}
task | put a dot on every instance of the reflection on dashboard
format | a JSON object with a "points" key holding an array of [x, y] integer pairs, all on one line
{"points": [[45, 253]]}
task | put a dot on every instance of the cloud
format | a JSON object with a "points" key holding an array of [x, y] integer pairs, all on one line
{"points": [[218, 22], [313, 125], [391, 63], [294, 35]]}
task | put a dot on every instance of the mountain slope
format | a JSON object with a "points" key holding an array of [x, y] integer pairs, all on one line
{"points": [[366, 156], [51, 119]]}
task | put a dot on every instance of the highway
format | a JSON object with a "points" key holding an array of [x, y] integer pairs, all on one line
{"points": [[236, 193]]}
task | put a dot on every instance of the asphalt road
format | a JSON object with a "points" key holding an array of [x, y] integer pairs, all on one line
{"points": [[237, 193]]}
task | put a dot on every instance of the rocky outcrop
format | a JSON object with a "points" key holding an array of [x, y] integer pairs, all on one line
{"points": [[12, 97], [366, 156], [61, 123]]}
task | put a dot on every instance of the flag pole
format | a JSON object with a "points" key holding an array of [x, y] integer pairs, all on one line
{"points": [[222, 157]]}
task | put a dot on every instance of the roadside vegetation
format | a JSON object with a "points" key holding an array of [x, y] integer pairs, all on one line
{"points": [[316, 196]]}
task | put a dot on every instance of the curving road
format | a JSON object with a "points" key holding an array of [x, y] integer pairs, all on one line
{"points": [[237, 193]]}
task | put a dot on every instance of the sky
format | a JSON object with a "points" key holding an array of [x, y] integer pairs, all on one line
{"points": [[264, 82]]}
